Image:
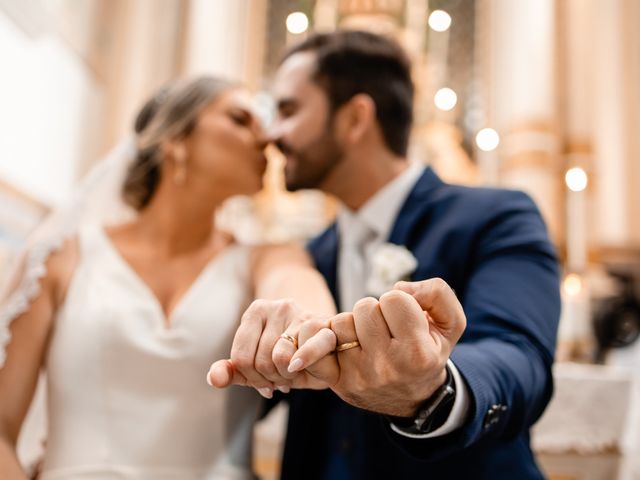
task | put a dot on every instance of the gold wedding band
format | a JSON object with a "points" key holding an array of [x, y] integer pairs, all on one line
{"points": [[346, 346], [290, 339]]}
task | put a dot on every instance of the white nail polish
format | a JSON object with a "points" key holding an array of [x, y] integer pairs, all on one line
{"points": [[295, 365], [265, 392], [209, 378], [284, 389]]}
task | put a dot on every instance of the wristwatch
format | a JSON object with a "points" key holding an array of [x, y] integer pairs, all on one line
{"points": [[433, 412]]}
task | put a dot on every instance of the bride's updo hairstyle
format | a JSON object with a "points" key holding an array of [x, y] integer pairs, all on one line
{"points": [[171, 113]]}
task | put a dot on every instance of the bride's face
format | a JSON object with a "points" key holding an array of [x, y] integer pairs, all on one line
{"points": [[226, 148]]}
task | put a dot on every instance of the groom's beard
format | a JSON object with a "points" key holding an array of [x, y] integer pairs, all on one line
{"points": [[309, 167]]}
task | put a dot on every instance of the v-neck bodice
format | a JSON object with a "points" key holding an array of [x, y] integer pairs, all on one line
{"points": [[126, 395], [139, 285]]}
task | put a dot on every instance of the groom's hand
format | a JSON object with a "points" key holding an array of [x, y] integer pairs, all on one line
{"points": [[405, 340]]}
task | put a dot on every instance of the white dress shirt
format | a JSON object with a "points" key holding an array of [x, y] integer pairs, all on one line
{"points": [[374, 221]]}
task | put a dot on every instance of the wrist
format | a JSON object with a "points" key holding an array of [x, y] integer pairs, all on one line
{"points": [[421, 398], [432, 413]]}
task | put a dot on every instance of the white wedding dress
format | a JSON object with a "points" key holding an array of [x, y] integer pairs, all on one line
{"points": [[127, 396]]}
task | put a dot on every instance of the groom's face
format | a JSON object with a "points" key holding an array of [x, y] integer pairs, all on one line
{"points": [[304, 129]]}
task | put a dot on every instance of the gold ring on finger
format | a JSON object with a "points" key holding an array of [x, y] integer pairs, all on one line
{"points": [[346, 346], [290, 339]]}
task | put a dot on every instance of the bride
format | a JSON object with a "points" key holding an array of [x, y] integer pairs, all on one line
{"points": [[127, 317]]}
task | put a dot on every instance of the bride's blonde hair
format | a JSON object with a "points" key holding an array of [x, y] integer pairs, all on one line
{"points": [[171, 113]]}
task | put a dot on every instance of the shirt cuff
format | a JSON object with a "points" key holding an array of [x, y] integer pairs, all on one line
{"points": [[458, 411]]}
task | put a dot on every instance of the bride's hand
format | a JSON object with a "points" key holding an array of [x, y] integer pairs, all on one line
{"points": [[387, 356], [264, 345]]}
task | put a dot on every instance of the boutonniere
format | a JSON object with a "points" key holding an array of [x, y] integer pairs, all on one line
{"points": [[390, 263]]}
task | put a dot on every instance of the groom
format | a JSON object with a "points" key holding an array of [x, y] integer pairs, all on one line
{"points": [[408, 397]]}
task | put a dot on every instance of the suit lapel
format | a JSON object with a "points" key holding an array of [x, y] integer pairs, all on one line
{"points": [[324, 250], [413, 208]]}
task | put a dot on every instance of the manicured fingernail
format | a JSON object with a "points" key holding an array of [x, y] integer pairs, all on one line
{"points": [[266, 392], [284, 389], [295, 365], [209, 378]]}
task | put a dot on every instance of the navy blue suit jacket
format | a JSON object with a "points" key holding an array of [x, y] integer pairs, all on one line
{"points": [[492, 248]]}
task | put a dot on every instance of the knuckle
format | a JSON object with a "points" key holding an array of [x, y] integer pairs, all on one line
{"points": [[327, 339], [258, 304], [254, 312], [365, 304], [417, 358], [395, 301], [248, 315], [287, 305], [422, 358], [281, 307], [242, 363], [342, 321], [391, 297], [265, 366], [306, 316], [327, 334], [281, 358], [439, 286], [310, 329], [315, 325]]}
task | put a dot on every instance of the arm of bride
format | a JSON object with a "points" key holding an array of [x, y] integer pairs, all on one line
{"points": [[289, 293], [25, 355]]}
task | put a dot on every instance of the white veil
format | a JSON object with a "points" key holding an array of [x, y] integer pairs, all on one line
{"points": [[98, 200]]}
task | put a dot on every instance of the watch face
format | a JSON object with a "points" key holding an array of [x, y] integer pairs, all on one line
{"points": [[439, 411]]}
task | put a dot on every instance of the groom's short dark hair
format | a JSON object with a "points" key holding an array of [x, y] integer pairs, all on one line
{"points": [[352, 62]]}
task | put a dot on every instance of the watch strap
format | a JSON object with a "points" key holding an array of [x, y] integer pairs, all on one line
{"points": [[433, 412]]}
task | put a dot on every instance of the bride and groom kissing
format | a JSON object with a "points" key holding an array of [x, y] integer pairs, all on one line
{"points": [[420, 382]]}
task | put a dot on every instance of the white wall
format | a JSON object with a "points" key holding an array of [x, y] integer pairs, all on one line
{"points": [[46, 93], [226, 39]]}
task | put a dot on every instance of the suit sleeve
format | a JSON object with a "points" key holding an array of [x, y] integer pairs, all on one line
{"points": [[512, 303]]}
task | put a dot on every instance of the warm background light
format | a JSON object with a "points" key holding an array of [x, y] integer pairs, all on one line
{"points": [[572, 285], [439, 20], [487, 139], [445, 99], [297, 22], [576, 179]]}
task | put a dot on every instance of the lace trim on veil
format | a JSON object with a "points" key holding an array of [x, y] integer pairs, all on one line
{"points": [[96, 200], [29, 288]]}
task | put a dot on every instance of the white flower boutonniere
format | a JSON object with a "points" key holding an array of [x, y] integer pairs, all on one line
{"points": [[390, 264]]}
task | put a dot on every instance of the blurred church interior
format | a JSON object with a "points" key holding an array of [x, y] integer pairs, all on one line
{"points": [[538, 95]]}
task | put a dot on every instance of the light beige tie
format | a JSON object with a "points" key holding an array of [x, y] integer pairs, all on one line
{"points": [[352, 263]]}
